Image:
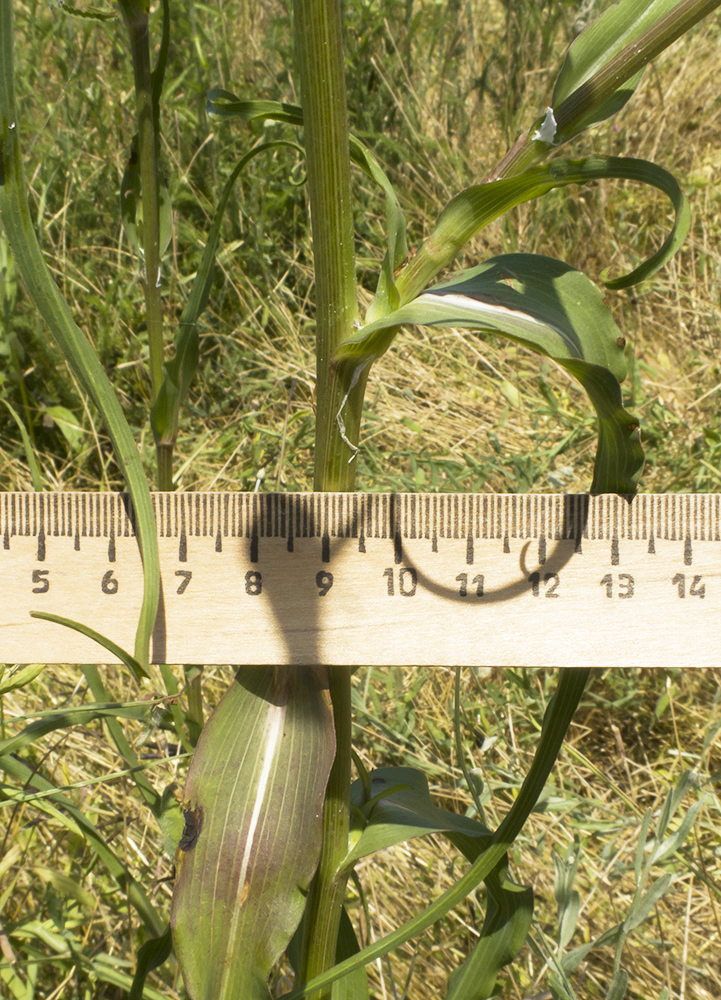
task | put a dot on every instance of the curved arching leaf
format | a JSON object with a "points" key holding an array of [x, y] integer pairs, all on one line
{"points": [[223, 105], [545, 305], [466, 214]]}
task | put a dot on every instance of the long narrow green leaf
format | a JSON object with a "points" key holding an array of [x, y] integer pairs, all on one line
{"points": [[72, 341], [35, 473], [112, 647], [549, 307], [477, 206], [558, 717], [604, 64], [621, 24], [79, 716]]}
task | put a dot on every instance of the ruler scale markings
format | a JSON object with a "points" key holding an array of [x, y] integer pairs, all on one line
{"points": [[653, 539]]}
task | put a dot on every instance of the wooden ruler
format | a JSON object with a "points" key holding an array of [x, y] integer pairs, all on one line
{"points": [[404, 579]]}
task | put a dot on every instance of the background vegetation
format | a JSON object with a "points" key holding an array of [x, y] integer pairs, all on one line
{"points": [[439, 90]]}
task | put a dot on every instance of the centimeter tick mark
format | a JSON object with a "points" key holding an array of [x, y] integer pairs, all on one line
{"points": [[325, 548], [541, 550], [41, 545], [687, 552], [469, 551], [111, 547], [614, 551], [183, 547]]}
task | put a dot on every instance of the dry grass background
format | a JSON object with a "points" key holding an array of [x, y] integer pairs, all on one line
{"points": [[441, 89]]}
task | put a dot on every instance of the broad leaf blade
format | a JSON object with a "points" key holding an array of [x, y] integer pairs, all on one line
{"points": [[406, 813], [253, 802], [545, 305]]}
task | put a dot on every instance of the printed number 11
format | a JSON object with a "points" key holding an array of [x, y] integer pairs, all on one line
{"points": [[462, 578]]}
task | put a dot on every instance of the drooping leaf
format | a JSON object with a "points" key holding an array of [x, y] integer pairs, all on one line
{"points": [[407, 811], [252, 807], [549, 307], [475, 207]]}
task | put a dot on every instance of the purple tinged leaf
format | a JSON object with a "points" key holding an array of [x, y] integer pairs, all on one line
{"points": [[252, 809]]}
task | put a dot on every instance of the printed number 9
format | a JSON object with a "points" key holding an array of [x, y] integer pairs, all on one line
{"points": [[323, 581]]}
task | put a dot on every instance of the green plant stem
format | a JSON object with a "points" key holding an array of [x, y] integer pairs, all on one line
{"points": [[526, 152], [319, 49], [136, 20], [327, 891]]}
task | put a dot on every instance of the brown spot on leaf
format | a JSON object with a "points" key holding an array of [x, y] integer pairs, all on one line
{"points": [[621, 341], [191, 831]]}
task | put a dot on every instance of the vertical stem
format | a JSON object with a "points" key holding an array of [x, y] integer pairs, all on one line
{"points": [[327, 890], [136, 20], [319, 49]]}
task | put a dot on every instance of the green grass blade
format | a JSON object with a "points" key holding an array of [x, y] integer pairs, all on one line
{"points": [[35, 473], [78, 716], [75, 821], [112, 647], [71, 340], [180, 370]]}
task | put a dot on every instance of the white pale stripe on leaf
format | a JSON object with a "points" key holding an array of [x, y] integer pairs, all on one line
{"points": [[549, 307]]}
